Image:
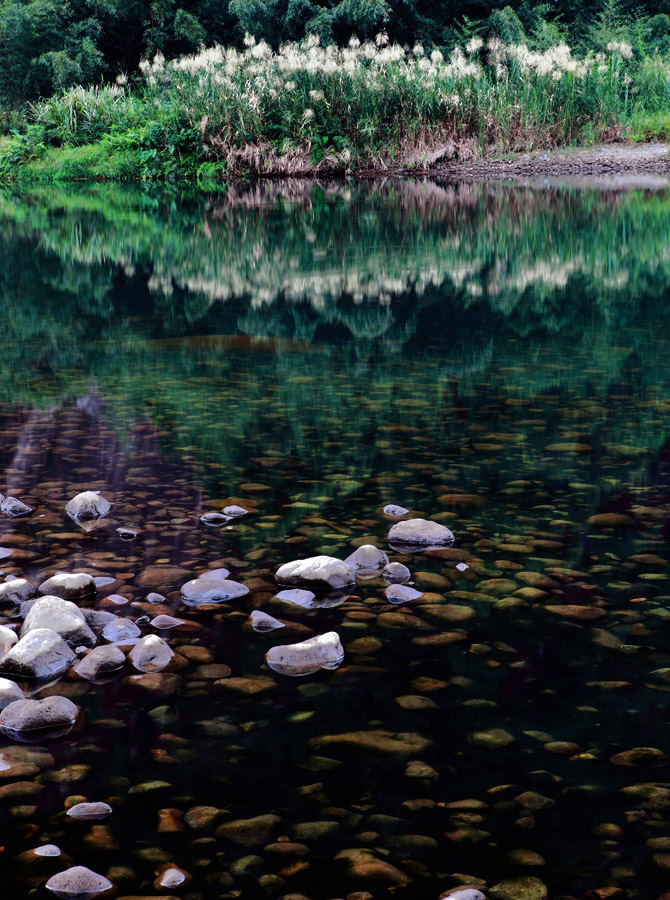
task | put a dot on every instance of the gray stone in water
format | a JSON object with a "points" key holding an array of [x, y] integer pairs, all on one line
{"points": [[68, 586], [13, 507], [401, 593], [420, 533], [7, 639], [60, 616], [394, 511], [41, 653], [9, 692], [35, 715], [86, 508], [120, 630], [79, 883], [321, 652], [235, 511], [396, 573], [214, 519], [127, 534], [153, 597], [262, 622], [87, 812], [151, 654], [367, 560], [14, 592], [100, 663], [317, 572], [211, 590]]}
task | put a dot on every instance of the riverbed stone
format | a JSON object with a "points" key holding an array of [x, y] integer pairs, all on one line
{"points": [[61, 616], [420, 533], [41, 653], [211, 590], [321, 652], [316, 572], [79, 883], [87, 507], [31, 715], [68, 586], [249, 832], [151, 654]]}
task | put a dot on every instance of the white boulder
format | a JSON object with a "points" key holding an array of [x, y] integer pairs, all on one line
{"points": [[68, 586], [13, 507], [322, 652], [151, 654], [420, 533], [86, 508], [211, 590], [14, 592], [41, 653], [320, 572], [89, 811], [79, 883], [120, 630], [34, 715], [61, 616], [367, 560]]}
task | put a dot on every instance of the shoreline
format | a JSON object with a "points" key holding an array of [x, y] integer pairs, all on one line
{"points": [[618, 165]]}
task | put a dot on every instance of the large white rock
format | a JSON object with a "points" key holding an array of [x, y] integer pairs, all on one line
{"points": [[211, 590], [9, 692], [79, 883], [322, 652], [420, 533], [41, 653], [68, 586], [320, 572], [7, 639], [86, 508], [31, 715], [14, 592], [61, 616], [151, 654], [367, 560], [100, 663]]}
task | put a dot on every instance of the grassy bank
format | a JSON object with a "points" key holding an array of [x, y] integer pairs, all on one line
{"points": [[308, 109]]}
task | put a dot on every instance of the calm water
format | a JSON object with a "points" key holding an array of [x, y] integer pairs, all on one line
{"points": [[494, 358]]}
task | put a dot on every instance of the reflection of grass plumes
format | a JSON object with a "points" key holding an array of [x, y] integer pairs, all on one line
{"points": [[307, 106]]}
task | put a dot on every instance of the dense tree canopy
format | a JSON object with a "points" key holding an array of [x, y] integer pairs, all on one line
{"points": [[46, 45]]}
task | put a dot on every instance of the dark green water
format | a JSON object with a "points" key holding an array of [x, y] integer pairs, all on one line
{"points": [[495, 358]]}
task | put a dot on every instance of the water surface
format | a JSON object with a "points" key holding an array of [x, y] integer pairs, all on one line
{"points": [[494, 358]]}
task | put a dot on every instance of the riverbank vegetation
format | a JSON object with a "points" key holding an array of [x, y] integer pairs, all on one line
{"points": [[268, 107]]}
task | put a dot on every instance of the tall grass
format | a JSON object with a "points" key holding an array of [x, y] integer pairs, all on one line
{"points": [[365, 104]]}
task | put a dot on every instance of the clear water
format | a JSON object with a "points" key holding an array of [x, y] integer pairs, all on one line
{"points": [[492, 357]]}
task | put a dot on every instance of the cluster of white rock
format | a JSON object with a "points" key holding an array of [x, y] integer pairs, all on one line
{"points": [[328, 574], [56, 634]]}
